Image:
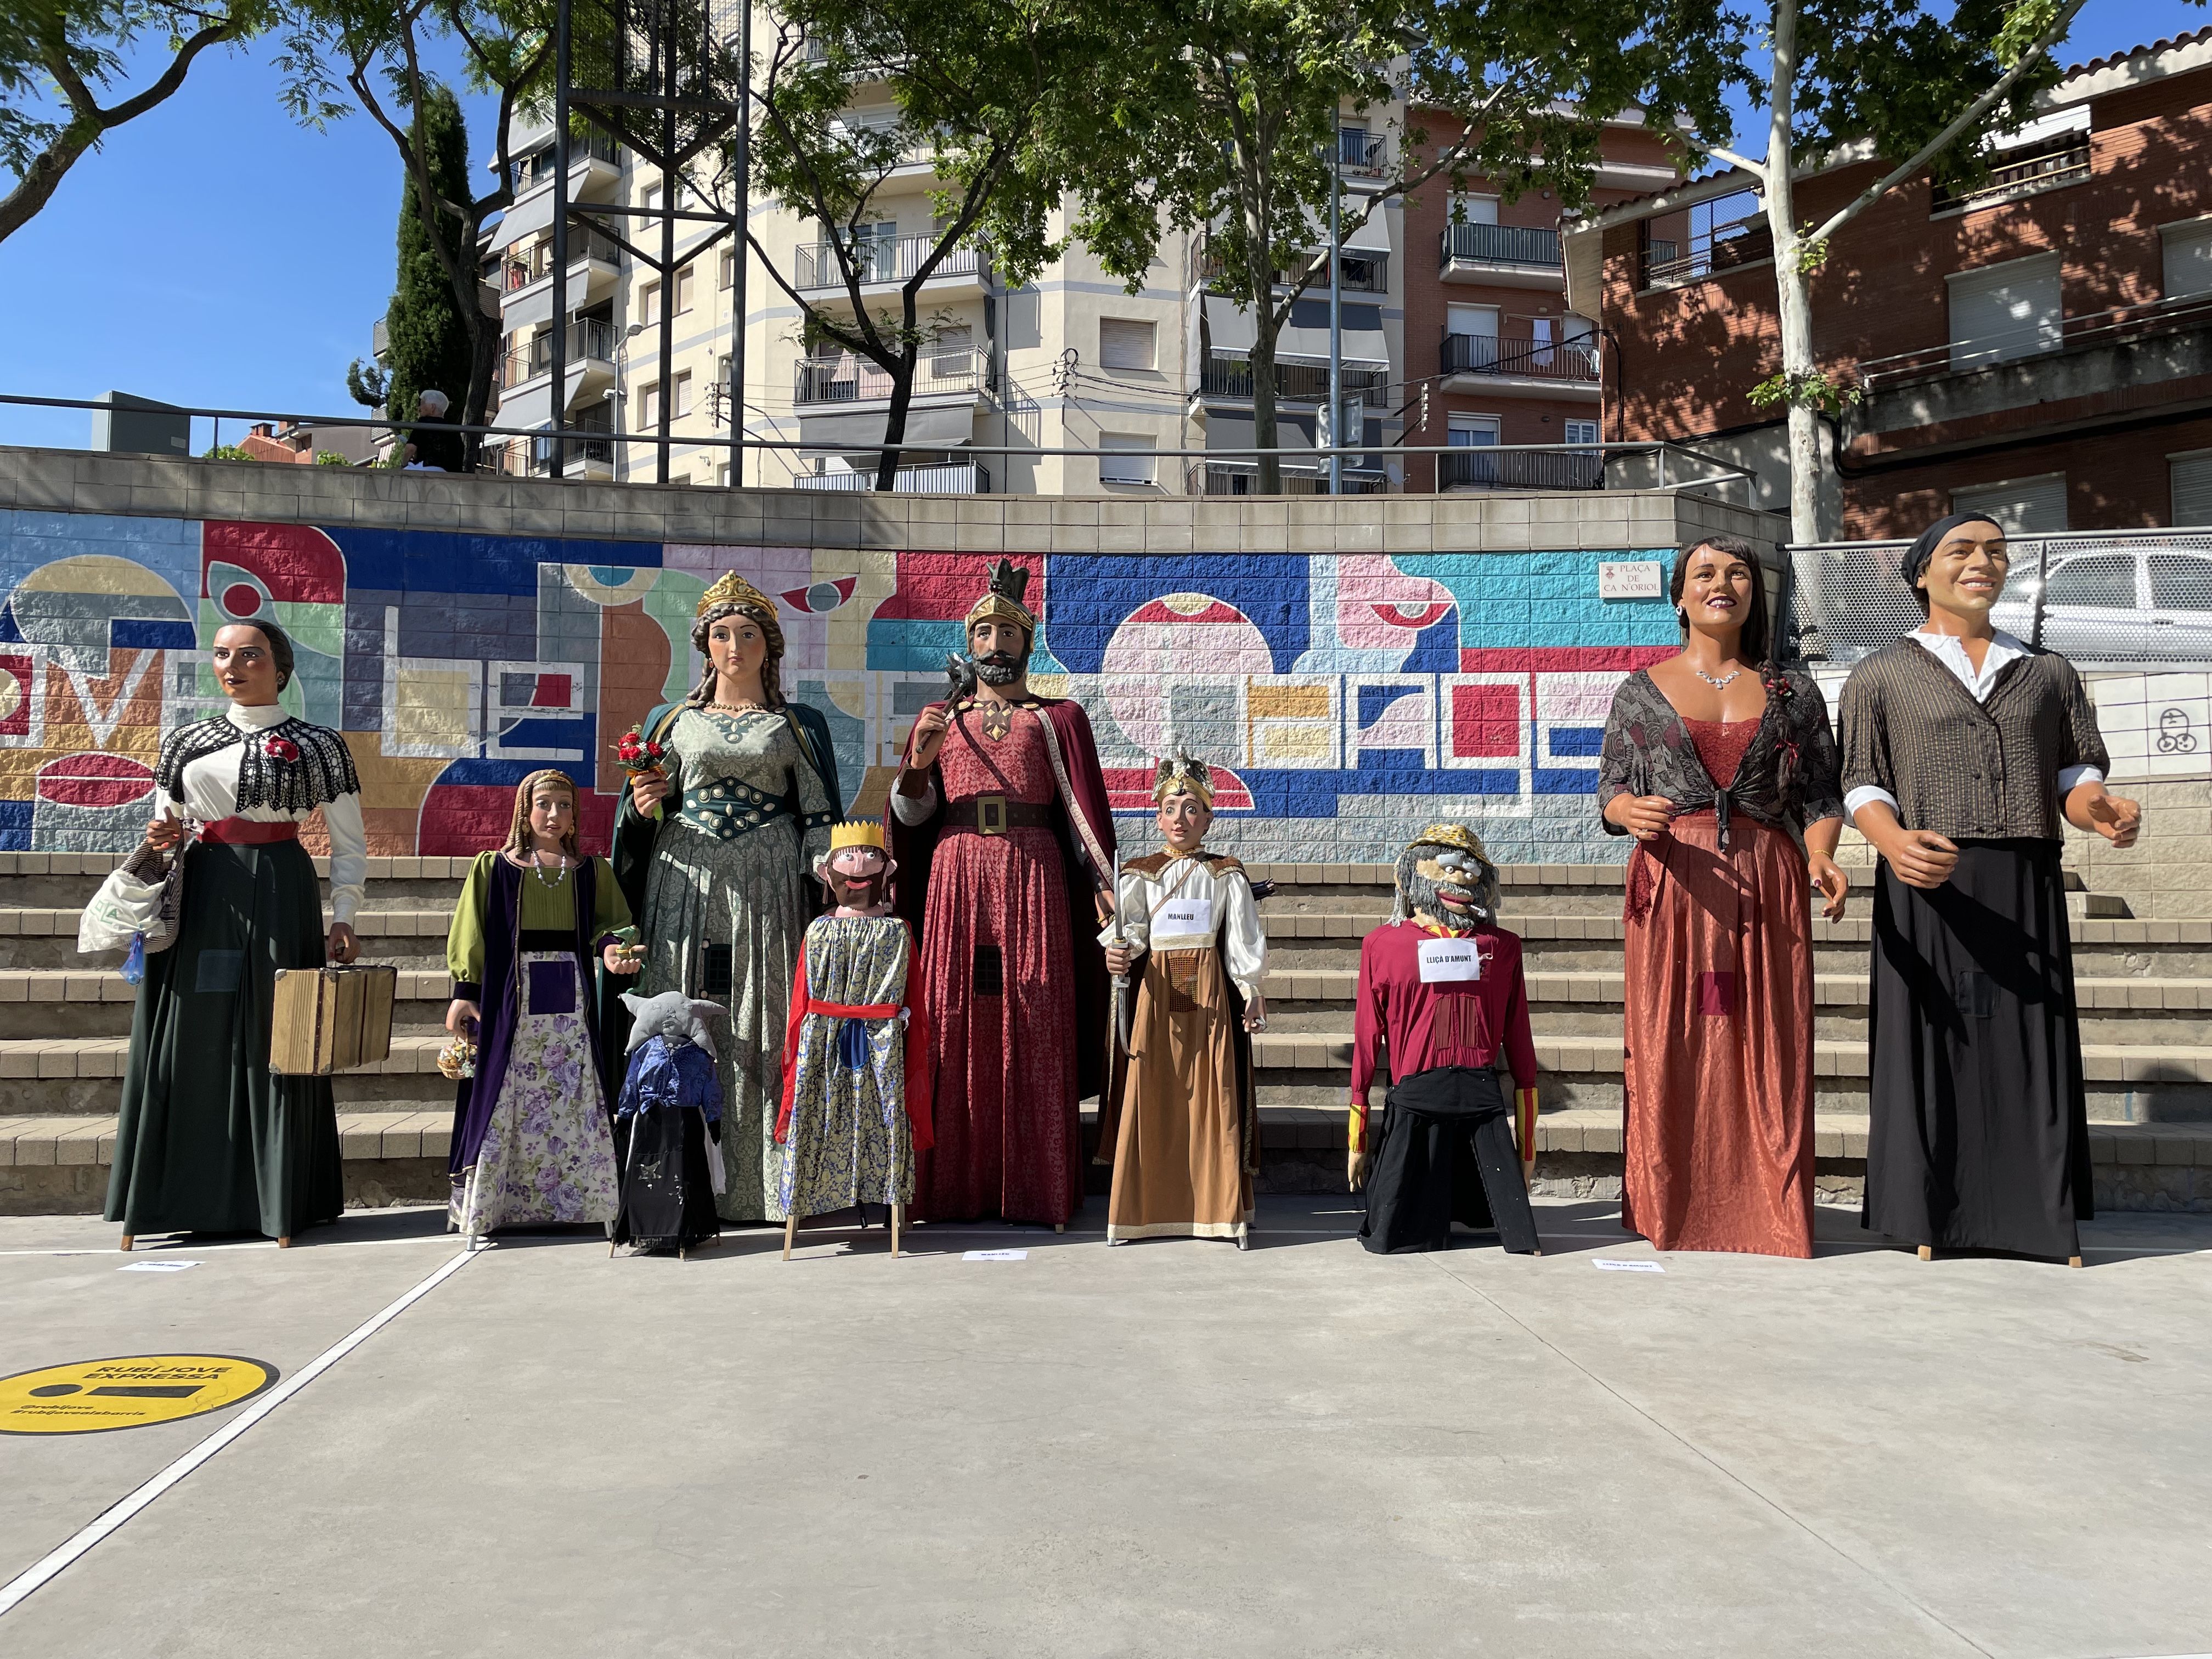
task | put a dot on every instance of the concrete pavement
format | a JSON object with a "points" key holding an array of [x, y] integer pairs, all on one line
{"points": [[1169, 1448]]}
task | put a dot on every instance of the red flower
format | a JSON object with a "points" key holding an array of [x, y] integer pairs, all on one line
{"points": [[635, 754], [282, 748]]}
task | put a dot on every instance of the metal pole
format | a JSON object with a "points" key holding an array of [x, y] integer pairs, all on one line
{"points": [[2042, 574], [669, 89], [739, 248], [1335, 315], [557, 391]]}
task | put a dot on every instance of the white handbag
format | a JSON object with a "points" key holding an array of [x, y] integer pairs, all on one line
{"points": [[134, 913]]}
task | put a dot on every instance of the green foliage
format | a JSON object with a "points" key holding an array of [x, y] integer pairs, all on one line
{"points": [[226, 452], [367, 382], [1814, 389], [331, 458], [429, 339]]}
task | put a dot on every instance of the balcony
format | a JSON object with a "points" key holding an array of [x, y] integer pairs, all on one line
{"points": [[884, 261], [957, 372], [1714, 249], [1520, 364], [1363, 273], [597, 156], [941, 478], [2064, 161], [1242, 478], [1479, 467], [591, 346], [1504, 256], [1361, 154], [1296, 383], [519, 271]]}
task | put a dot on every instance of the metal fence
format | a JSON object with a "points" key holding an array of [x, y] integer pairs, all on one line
{"points": [[1500, 244], [2105, 599]]}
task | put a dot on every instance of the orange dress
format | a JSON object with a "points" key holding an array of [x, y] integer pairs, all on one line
{"points": [[1718, 1028]]}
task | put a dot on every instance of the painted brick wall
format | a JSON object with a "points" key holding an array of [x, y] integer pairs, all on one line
{"points": [[1353, 669]]}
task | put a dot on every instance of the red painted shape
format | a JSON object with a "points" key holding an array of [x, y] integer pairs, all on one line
{"points": [[94, 779], [1485, 723], [296, 562], [1422, 617], [460, 820], [241, 599], [554, 691], [1559, 659], [1129, 789]]}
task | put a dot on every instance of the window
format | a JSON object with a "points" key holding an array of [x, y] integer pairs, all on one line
{"points": [[1471, 319], [684, 290], [1125, 458], [1124, 343], [951, 356], [2022, 506], [648, 407], [1582, 432], [2106, 581], [2004, 311], [2192, 488], [649, 304], [1475, 209], [2181, 581], [729, 273], [2188, 258], [1476, 431], [682, 405]]}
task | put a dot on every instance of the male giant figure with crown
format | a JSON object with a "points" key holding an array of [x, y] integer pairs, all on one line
{"points": [[1001, 833]]}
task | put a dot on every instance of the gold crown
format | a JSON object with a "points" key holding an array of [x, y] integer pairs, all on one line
{"points": [[1181, 774], [857, 832], [1002, 600], [1457, 835], [734, 589]]}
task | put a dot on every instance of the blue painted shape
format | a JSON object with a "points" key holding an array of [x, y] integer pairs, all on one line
{"points": [[9, 634], [1547, 780], [1582, 740], [1088, 597], [1375, 700], [1542, 601], [15, 825], [904, 645], [151, 634], [421, 562]]}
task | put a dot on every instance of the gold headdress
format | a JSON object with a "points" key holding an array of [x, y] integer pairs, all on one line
{"points": [[734, 591], [857, 832], [1180, 775], [1457, 835], [1002, 600]]}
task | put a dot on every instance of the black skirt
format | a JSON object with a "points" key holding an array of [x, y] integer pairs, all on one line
{"points": [[1446, 1154], [209, 1139], [1979, 1133], [667, 1189]]}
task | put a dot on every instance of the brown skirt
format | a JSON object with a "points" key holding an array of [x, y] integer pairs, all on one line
{"points": [[1718, 1138], [1182, 1123]]}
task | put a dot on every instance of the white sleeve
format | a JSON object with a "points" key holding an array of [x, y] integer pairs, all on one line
{"points": [[1134, 922], [1865, 795], [1243, 938], [912, 809], [2073, 777], [349, 856]]}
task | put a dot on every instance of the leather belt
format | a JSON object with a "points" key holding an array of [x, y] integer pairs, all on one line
{"points": [[246, 832], [994, 815]]}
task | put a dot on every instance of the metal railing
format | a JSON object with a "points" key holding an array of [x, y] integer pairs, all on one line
{"points": [[537, 167], [879, 259], [1215, 478], [1724, 234], [1361, 154], [850, 380], [1363, 273], [1519, 355], [935, 478], [2082, 332], [1482, 467], [2063, 162], [1499, 245], [519, 270], [589, 340], [1224, 376], [2114, 598]]}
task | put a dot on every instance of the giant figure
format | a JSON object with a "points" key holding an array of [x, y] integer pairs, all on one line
{"points": [[1000, 826]]}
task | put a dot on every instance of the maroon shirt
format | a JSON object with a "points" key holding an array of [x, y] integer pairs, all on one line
{"points": [[1451, 1022]]}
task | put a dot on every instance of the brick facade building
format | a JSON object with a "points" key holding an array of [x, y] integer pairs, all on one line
{"points": [[1488, 328], [2040, 348]]}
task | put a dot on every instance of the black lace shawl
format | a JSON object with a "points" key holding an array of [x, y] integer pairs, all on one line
{"points": [[321, 770]]}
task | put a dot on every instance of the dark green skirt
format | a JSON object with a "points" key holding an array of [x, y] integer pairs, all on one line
{"points": [[210, 1141]]}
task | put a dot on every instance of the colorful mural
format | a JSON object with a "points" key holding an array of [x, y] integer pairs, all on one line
{"points": [[1344, 699]]}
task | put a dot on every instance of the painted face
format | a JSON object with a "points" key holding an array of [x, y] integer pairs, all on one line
{"points": [[1716, 589], [859, 863], [552, 814], [1968, 570], [1001, 650], [244, 665], [1445, 884], [737, 646], [1184, 820]]}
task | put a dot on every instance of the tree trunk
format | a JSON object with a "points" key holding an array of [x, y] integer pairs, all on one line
{"points": [[1790, 286], [887, 458]]}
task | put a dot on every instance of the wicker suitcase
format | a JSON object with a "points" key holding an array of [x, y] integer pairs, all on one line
{"points": [[330, 1019]]}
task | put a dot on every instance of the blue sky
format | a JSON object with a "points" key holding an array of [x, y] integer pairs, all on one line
{"points": [[214, 253]]}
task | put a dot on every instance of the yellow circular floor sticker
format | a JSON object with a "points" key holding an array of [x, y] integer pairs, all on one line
{"points": [[129, 1392]]}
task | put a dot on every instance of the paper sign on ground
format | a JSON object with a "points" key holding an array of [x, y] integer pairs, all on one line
{"points": [[156, 1267], [996, 1256], [1610, 1265]]}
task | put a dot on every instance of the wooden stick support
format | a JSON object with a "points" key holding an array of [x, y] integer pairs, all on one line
{"points": [[898, 1220], [127, 1241], [1927, 1252], [790, 1232], [284, 1240], [2073, 1261]]}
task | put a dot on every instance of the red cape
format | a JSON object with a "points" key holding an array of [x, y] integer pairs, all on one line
{"points": [[1083, 823]]}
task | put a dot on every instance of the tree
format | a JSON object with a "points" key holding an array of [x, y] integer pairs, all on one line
{"points": [[369, 53], [986, 91], [1891, 74], [58, 57], [1227, 124], [431, 344]]}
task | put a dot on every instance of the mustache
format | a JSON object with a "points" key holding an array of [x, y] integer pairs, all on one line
{"points": [[1000, 660]]}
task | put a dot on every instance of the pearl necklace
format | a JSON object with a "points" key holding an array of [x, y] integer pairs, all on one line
{"points": [[538, 869], [1718, 682]]}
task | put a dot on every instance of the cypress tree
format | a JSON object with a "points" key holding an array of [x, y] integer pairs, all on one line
{"points": [[429, 338]]}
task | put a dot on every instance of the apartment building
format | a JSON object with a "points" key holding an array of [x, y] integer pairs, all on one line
{"points": [[2040, 347], [1503, 358]]}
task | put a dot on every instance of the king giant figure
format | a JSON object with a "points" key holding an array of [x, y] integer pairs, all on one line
{"points": [[1004, 845]]}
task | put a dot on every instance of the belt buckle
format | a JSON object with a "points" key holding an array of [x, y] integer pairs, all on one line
{"points": [[990, 815]]}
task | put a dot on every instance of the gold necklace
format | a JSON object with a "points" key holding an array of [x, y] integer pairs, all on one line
{"points": [[722, 708]]}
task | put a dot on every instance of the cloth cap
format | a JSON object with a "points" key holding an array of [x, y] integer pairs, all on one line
{"points": [[1916, 557]]}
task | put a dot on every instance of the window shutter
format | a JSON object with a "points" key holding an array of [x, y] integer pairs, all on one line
{"points": [[2188, 258], [2004, 311], [1124, 458], [2020, 506], [1124, 343], [2193, 490]]}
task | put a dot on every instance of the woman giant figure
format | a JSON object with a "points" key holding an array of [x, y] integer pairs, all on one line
{"points": [[714, 861], [209, 1139], [1719, 763]]}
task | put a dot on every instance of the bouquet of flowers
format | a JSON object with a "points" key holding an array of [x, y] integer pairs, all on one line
{"points": [[636, 754], [458, 1059]]}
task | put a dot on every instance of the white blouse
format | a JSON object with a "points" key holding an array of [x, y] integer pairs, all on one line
{"points": [[1228, 907], [211, 791]]}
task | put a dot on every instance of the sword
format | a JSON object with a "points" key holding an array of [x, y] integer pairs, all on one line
{"points": [[1125, 1004]]}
